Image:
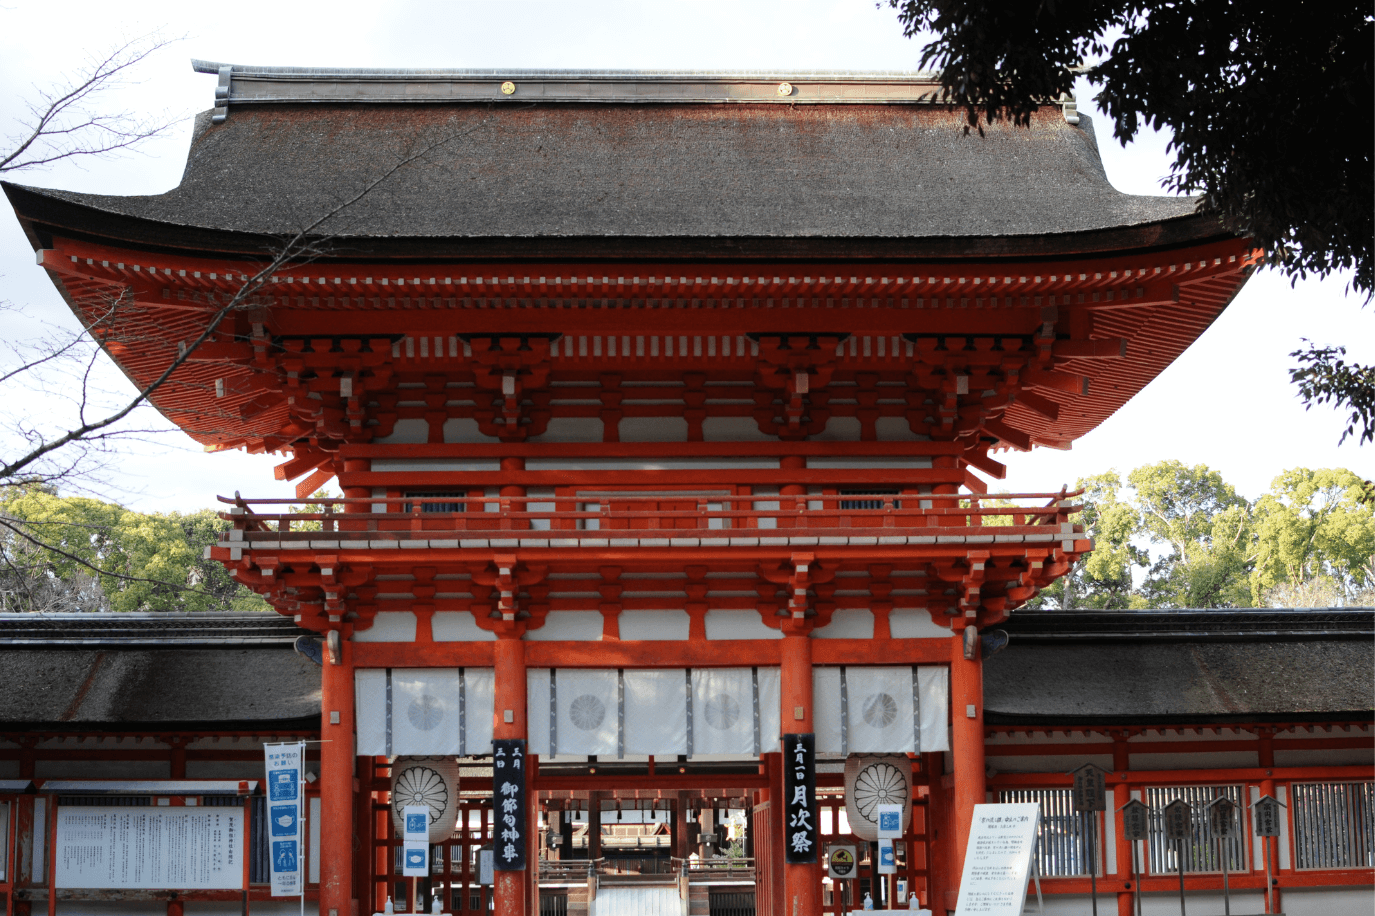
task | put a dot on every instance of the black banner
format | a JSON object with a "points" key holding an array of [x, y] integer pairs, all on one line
{"points": [[799, 797], [508, 804]]}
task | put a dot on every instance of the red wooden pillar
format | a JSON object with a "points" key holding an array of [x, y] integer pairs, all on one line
{"points": [[336, 786], [510, 890], [801, 883], [1126, 849], [967, 745]]}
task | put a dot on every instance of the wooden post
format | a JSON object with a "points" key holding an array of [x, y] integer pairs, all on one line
{"points": [[967, 745], [509, 712], [336, 785], [801, 883]]}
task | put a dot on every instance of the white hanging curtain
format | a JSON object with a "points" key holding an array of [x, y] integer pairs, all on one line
{"points": [[587, 712], [656, 711], [880, 710], [662, 712], [725, 711], [423, 711]]}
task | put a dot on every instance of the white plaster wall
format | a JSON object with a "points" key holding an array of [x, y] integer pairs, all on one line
{"points": [[571, 429], [389, 626], [896, 429], [1047, 764], [653, 429], [102, 769], [461, 429], [1352, 756], [407, 432], [733, 429], [224, 769], [848, 623], [839, 429], [738, 625], [1209, 760], [408, 465], [1328, 901], [458, 626], [584, 626], [914, 623], [654, 625]]}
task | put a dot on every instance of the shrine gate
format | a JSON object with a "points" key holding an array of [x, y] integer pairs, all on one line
{"points": [[663, 408]]}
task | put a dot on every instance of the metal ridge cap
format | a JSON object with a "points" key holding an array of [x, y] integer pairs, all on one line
{"points": [[570, 75]]}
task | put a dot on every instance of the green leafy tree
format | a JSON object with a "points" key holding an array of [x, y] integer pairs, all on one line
{"points": [[1236, 85], [1313, 528], [1103, 579], [1206, 531], [81, 554]]}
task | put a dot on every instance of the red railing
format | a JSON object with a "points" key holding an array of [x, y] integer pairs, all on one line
{"points": [[691, 514]]}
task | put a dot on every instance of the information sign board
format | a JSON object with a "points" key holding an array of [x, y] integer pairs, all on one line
{"points": [[1136, 820], [415, 857], [1179, 820], [508, 801], [150, 848], [841, 862], [799, 797], [887, 859], [889, 821], [997, 862], [1267, 814], [1090, 788], [284, 762], [1222, 816]]}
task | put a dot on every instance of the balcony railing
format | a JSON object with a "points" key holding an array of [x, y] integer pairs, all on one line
{"points": [[533, 521]]}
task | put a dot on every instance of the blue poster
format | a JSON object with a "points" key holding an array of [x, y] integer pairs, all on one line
{"points": [[418, 823], [284, 855], [283, 818], [281, 785]]}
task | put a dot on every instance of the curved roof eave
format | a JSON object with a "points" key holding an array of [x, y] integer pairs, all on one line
{"points": [[45, 213]]}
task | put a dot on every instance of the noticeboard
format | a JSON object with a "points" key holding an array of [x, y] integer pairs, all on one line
{"points": [[842, 863], [119, 847], [997, 862]]}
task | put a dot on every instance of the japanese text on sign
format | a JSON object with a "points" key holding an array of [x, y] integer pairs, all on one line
{"points": [[284, 762], [799, 793], [150, 848], [1002, 840], [508, 803]]}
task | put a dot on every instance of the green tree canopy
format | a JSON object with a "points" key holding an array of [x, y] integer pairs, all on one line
{"points": [[72, 553], [1176, 536]]}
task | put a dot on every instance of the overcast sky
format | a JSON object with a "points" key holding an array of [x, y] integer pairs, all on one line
{"points": [[1226, 402]]}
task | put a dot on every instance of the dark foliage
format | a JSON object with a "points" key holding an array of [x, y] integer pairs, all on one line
{"points": [[1323, 377], [1269, 104]]}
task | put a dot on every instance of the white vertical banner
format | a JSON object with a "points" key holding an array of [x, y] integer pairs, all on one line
{"points": [[284, 762], [415, 858]]}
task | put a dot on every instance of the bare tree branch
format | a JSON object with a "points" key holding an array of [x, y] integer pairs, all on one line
{"points": [[64, 124]]}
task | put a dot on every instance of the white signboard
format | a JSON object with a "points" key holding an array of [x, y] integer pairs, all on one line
{"points": [[150, 848], [997, 862], [415, 858], [486, 860], [284, 763]]}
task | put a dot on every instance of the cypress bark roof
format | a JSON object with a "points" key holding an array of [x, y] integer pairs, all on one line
{"points": [[530, 171]]}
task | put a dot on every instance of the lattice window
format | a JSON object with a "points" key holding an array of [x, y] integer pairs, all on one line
{"points": [[435, 502], [1065, 849], [852, 504], [1200, 851], [1333, 824]]}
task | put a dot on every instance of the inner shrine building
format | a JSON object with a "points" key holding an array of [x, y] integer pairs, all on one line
{"points": [[663, 410]]}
